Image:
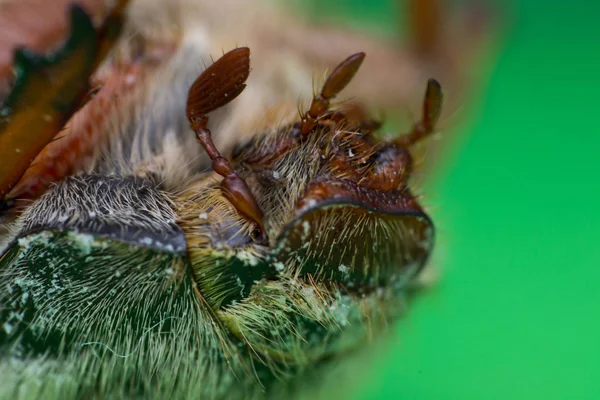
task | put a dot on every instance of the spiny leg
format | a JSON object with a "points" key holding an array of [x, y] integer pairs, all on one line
{"points": [[432, 108], [220, 83], [335, 83]]}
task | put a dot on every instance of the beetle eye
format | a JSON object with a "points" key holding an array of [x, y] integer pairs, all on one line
{"points": [[259, 237]]}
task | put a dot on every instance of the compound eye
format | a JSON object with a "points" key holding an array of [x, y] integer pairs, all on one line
{"points": [[259, 237]]}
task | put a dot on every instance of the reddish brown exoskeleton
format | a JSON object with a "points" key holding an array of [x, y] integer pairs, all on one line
{"points": [[132, 263]]}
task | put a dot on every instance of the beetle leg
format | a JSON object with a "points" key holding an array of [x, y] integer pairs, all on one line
{"points": [[48, 90], [220, 83], [335, 83]]}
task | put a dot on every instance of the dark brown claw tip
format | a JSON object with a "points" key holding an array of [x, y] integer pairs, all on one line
{"points": [[238, 193]]}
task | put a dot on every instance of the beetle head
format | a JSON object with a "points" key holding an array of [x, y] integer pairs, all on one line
{"points": [[345, 234]]}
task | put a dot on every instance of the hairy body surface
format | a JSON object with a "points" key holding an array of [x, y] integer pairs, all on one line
{"points": [[129, 268]]}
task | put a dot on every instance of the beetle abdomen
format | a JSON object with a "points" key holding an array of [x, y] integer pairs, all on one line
{"points": [[95, 288]]}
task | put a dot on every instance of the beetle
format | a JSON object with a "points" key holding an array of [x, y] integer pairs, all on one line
{"points": [[147, 262]]}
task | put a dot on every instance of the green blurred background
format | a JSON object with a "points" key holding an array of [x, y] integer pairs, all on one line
{"points": [[515, 312]]}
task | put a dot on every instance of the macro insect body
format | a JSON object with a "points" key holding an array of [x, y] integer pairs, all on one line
{"points": [[146, 275]]}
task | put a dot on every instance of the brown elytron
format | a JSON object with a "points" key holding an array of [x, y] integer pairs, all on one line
{"points": [[220, 83]]}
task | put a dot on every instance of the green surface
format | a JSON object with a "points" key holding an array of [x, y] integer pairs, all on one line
{"points": [[515, 312]]}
